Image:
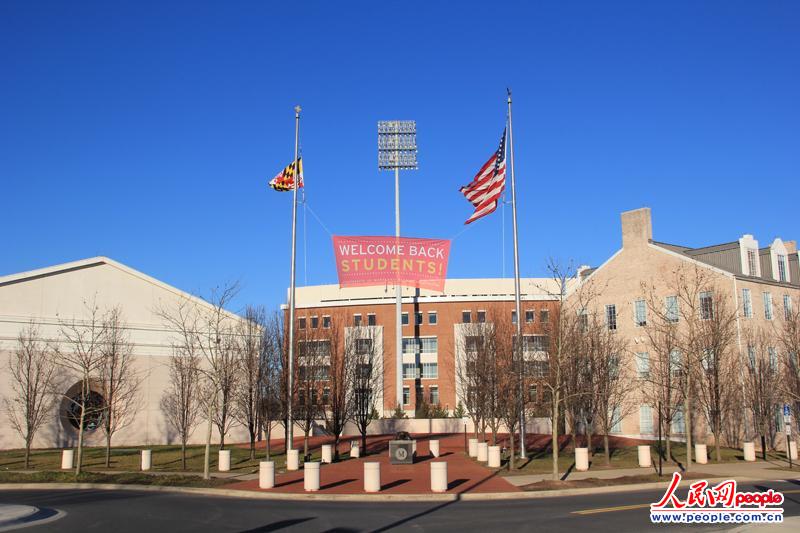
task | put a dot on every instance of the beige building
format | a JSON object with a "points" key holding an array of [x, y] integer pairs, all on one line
{"points": [[761, 282], [54, 296]]}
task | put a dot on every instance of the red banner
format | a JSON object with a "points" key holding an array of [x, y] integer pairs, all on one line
{"points": [[363, 261]]}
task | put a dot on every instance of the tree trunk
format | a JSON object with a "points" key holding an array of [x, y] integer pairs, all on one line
{"points": [[207, 456], [668, 445], [606, 450], [589, 440], [183, 454], [108, 450], [80, 439], [717, 452], [364, 442], [336, 448], [305, 444], [27, 455], [252, 445], [687, 415], [554, 424], [267, 436], [511, 463]]}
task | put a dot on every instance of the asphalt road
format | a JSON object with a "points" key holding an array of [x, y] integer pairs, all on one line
{"points": [[124, 511]]}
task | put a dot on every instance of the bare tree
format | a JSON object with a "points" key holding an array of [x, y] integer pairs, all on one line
{"points": [[789, 336], [366, 378], [338, 403], [118, 380], [313, 371], [762, 377], [272, 376], [180, 403], [32, 371], [82, 356], [474, 351], [249, 352]]}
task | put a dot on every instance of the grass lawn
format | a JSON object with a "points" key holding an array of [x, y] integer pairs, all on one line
{"points": [[595, 482], [541, 462], [131, 478], [164, 459]]}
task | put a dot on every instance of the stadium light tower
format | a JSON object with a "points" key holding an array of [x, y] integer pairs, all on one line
{"points": [[397, 149]]}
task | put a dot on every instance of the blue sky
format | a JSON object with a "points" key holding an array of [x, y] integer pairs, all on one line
{"points": [[147, 131]]}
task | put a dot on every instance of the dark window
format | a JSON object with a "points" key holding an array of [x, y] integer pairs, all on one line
{"points": [[529, 314], [363, 346], [326, 396], [544, 316], [513, 317], [611, 317], [314, 322], [371, 319], [706, 306], [432, 317], [301, 322], [466, 317], [404, 318], [356, 320], [326, 322], [481, 317], [418, 317]]}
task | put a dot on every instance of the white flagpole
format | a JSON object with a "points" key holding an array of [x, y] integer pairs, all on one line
{"points": [[520, 345], [289, 445]]}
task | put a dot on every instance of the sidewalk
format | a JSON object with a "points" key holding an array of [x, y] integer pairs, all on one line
{"points": [[758, 470]]}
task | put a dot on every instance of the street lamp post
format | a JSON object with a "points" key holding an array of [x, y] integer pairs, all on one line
{"points": [[397, 149]]}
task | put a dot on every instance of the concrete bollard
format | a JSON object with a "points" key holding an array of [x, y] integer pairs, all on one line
{"points": [[793, 450], [494, 456], [749, 450], [292, 459], [473, 447], [644, 456], [582, 459], [147, 460], [327, 453], [439, 477], [483, 451], [311, 476], [434, 447], [355, 451], [67, 459], [701, 454], [224, 462], [266, 475], [372, 477]]}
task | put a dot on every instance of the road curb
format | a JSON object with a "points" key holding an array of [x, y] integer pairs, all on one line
{"points": [[429, 497]]}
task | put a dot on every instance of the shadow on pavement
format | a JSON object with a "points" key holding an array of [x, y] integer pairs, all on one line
{"points": [[275, 526]]}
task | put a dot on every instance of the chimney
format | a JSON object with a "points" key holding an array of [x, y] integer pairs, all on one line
{"points": [[637, 228], [791, 246]]}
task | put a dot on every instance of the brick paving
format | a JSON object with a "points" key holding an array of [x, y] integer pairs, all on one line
{"points": [[347, 475]]}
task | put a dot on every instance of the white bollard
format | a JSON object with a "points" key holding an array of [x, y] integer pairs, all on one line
{"points": [[372, 477], [311, 476], [292, 459], [701, 454], [644, 456], [793, 450], [483, 451], [473, 447], [327, 453], [749, 451], [266, 475], [355, 451], [147, 460], [67, 458], [494, 456], [224, 463], [439, 477], [434, 447], [581, 459]]}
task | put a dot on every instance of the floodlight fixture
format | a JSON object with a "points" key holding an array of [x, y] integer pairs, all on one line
{"points": [[397, 145]]}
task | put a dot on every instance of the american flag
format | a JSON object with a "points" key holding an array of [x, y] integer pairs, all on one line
{"points": [[488, 184]]}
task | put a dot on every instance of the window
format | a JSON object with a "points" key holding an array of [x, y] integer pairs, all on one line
{"points": [[639, 313], [616, 420], [645, 420], [429, 344], [583, 320], [314, 322], [314, 348], [643, 365], [356, 320], [535, 343], [432, 318], [529, 315], [611, 317], [410, 345], [544, 316], [787, 307], [409, 371], [752, 268], [430, 370], [371, 321], [301, 322], [472, 343], [773, 359], [672, 309], [404, 318], [747, 303], [418, 319], [537, 369], [363, 346], [326, 396], [466, 317], [406, 396], [613, 366], [751, 357], [678, 424], [767, 305], [706, 306], [326, 321], [781, 267], [533, 393], [364, 371], [513, 317], [434, 395], [481, 317], [675, 362]]}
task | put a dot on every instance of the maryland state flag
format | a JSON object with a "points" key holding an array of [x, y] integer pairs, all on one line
{"points": [[284, 181]]}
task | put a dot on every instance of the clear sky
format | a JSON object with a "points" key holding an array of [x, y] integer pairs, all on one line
{"points": [[147, 131]]}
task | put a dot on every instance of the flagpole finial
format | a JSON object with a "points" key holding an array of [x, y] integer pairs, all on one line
{"points": [[297, 109], [508, 91]]}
